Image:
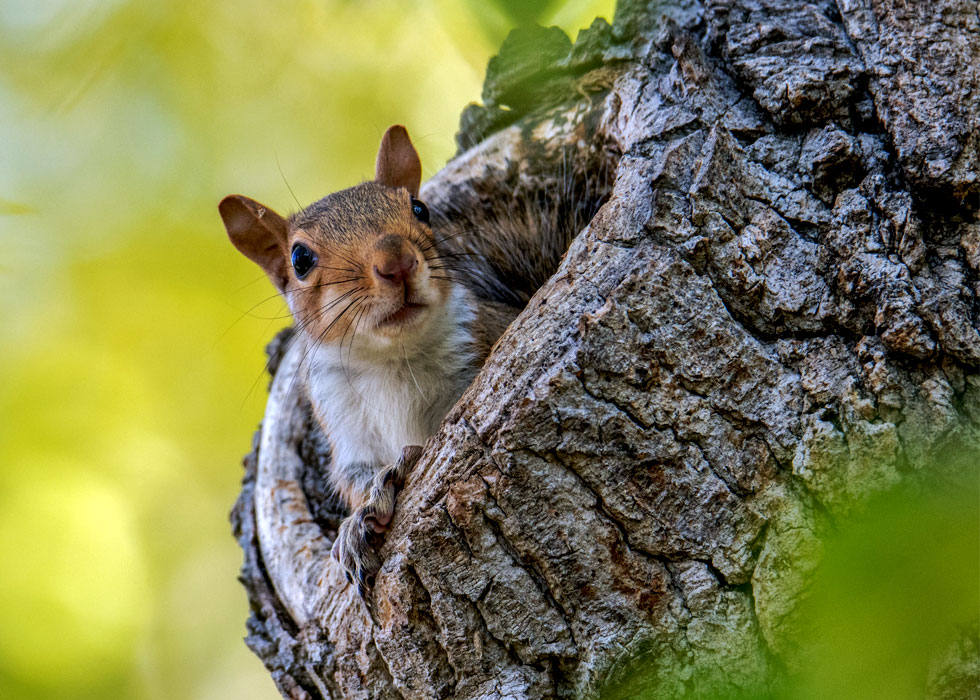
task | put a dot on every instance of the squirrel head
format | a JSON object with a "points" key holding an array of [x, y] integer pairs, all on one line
{"points": [[360, 262]]}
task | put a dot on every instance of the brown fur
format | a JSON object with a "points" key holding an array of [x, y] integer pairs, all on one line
{"points": [[398, 163], [378, 269], [356, 235], [259, 233]]}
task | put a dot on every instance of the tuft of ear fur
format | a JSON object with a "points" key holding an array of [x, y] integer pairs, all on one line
{"points": [[259, 233], [398, 163]]}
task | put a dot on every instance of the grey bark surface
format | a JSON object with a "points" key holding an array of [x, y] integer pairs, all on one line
{"points": [[772, 317]]}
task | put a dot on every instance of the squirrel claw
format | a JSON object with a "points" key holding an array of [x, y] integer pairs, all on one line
{"points": [[352, 549], [376, 523], [354, 553]]}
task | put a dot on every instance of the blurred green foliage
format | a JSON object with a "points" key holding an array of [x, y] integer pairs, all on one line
{"points": [[899, 586], [894, 604], [132, 330]]}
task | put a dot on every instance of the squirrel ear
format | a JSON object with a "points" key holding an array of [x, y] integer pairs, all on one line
{"points": [[259, 233], [398, 163]]}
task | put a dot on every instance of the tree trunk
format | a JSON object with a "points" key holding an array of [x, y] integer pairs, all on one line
{"points": [[772, 317]]}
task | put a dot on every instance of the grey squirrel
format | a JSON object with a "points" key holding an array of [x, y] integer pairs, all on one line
{"points": [[391, 334]]}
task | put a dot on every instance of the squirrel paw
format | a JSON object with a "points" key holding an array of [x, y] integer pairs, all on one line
{"points": [[354, 552], [352, 548]]}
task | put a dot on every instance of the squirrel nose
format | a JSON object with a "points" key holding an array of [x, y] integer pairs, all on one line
{"points": [[398, 268]]}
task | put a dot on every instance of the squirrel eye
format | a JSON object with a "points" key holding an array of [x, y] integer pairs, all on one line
{"points": [[420, 210], [303, 260]]}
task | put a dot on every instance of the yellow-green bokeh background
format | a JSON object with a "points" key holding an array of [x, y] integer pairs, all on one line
{"points": [[130, 352], [132, 332]]}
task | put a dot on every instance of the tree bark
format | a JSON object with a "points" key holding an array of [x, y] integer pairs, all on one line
{"points": [[772, 317]]}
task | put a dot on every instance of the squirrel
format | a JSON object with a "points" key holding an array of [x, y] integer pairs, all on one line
{"points": [[391, 334]]}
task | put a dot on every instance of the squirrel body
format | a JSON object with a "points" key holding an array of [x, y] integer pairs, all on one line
{"points": [[391, 335], [378, 400]]}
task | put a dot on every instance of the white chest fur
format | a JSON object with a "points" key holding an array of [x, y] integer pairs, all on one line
{"points": [[373, 402]]}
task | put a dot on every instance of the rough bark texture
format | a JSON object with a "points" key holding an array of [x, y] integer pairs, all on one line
{"points": [[772, 318]]}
